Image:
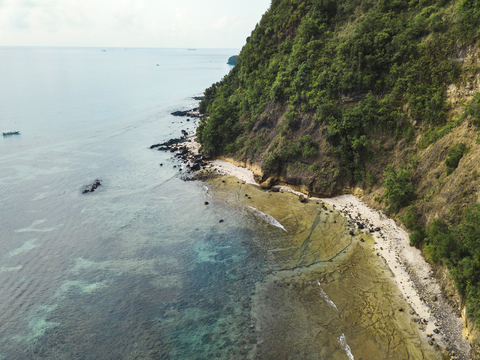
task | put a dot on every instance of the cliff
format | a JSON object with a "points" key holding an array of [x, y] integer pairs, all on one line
{"points": [[379, 96]]}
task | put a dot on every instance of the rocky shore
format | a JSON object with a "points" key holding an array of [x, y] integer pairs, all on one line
{"points": [[437, 321]]}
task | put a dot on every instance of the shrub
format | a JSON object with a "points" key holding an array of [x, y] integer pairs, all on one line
{"points": [[473, 109], [399, 190], [417, 237], [454, 155]]}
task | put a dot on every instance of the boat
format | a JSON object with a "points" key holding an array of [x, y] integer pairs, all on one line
{"points": [[9, 132]]}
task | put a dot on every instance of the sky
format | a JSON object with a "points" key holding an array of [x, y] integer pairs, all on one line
{"points": [[129, 23]]}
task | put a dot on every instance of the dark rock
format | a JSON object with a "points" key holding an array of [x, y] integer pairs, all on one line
{"points": [[206, 202], [377, 229], [221, 221], [190, 113], [161, 164], [351, 233], [92, 187], [360, 225], [195, 167], [401, 309], [169, 143]]}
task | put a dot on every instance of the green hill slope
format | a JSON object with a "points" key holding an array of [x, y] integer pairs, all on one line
{"points": [[328, 96]]}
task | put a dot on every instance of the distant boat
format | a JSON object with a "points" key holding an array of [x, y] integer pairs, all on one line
{"points": [[9, 132]]}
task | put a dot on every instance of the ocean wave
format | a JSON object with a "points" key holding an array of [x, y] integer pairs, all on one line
{"points": [[342, 340], [267, 218], [324, 295]]}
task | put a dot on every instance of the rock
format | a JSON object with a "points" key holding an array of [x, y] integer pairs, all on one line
{"points": [[433, 298], [92, 187], [195, 167], [169, 143], [360, 225], [303, 199], [206, 202], [267, 184], [377, 229], [221, 221], [351, 233], [161, 164], [362, 240], [401, 309]]}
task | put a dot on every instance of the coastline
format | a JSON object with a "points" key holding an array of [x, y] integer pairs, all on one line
{"points": [[436, 320]]}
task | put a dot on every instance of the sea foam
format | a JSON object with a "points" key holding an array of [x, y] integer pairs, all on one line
{"points": [[324, 295], [342, 340], [267, 218]]}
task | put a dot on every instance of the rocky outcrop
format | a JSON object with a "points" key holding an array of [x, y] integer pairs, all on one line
{"points": [[92, 187]]}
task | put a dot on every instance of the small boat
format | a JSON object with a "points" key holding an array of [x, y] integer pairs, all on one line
{"points": [[9, 132]]}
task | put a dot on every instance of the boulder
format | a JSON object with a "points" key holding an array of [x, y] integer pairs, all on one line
{"points": [[267, 184], [92, 187]]}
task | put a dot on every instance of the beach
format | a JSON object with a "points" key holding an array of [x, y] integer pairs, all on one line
{"points": [[438, 323]]}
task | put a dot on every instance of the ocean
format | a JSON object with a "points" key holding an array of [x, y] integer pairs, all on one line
{"points": [[142, 268]]}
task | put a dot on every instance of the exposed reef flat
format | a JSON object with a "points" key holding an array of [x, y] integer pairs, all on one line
{"points": [[328, 294], [404, 266]]}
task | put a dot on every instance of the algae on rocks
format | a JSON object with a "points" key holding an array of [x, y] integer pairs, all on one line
{"points": [[328, 295]]}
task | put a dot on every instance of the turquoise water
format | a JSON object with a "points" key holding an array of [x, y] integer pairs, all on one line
{"points": [[141, 268]]}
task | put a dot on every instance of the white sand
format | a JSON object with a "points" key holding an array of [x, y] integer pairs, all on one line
{"points": [[224, 167], [417, 285]]}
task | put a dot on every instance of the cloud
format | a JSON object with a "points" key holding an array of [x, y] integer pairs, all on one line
{"points": [[237, 24], [223, 22], [20, 20], [157, 23]]}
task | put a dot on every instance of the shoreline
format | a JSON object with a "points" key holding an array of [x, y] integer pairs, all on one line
{"points": [[436, 320]]}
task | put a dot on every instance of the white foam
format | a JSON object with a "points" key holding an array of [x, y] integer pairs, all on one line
{"points": [[324, 295], [268, 218], [342, 340]]}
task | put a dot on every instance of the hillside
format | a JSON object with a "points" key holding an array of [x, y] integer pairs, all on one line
{"points": [[376, 97]]}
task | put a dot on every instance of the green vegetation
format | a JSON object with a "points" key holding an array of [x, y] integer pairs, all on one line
{"points": [[341, 79], [473, 109], [454, 155], [411, 221], [399, 191], [361, 67], [458, 247], [284, 151]]}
